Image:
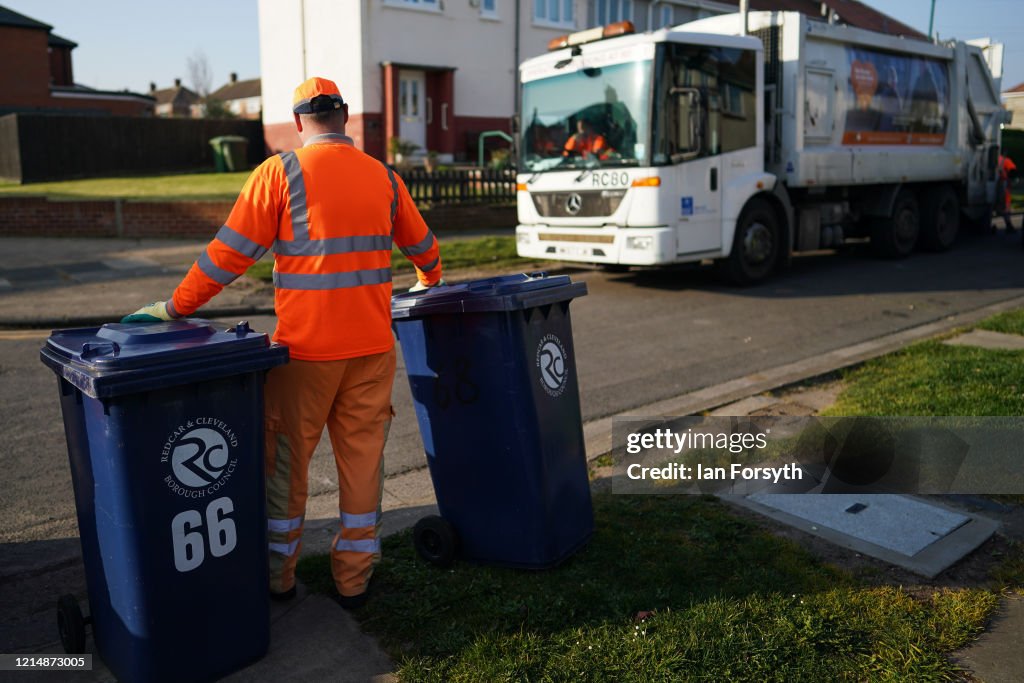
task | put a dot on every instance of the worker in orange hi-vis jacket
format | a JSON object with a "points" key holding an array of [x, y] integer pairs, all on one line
{"points": [[1003, 186], [586, 143], [331, 214]]}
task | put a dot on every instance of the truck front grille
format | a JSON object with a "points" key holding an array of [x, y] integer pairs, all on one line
{"points": [[589, 204]]}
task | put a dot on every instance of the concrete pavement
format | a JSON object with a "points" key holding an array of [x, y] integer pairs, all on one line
{"points": [[51, 283]]}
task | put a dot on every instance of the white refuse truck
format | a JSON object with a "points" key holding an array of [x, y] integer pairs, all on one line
{"points": [[744, 145]]}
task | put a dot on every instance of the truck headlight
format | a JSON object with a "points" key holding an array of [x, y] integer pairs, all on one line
{"points": [[640, 242], [523, 238]]}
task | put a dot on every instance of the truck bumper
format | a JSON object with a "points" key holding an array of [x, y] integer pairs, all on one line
{"points": [[626, 246]]}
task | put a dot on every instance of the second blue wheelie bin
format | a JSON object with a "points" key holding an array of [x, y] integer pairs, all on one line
{"points": [[164, 425], [492, 368]]}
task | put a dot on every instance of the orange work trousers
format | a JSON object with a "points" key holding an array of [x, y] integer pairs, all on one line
{"points": [[352, 398]]}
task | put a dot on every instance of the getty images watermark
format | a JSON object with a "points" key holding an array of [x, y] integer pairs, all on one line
{"points": [[734, 443], [776, 454]]}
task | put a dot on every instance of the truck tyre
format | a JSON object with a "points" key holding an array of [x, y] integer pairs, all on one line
{"points": [[940, 218], [982, 222], [896, 235], [755, 246]]}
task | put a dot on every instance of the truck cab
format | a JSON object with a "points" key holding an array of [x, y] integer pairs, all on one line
{"points": [[679, 118]]}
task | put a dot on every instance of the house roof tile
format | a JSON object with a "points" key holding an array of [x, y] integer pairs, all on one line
{"points": [[9, 17], [175, 94], [58, 41], [238, 90]]}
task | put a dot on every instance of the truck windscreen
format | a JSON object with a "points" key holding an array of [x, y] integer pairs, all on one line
{"points": [[590, 118]]}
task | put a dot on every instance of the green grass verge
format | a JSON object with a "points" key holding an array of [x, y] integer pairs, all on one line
{"points": [[931, 378], [154, 188], [1011, 322], [1009, 574], [729, 602], [483, 252]]}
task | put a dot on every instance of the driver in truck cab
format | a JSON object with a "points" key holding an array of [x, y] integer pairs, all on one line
{"points": [[587, 143]]}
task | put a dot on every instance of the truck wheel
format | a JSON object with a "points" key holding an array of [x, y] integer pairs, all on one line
{"points": [[896, 235], [755, 246], [981, 223], [940, 219], [70, 625], [435, 540]]}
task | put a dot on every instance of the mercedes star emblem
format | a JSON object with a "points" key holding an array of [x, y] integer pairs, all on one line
{"points": [[574, 203]]}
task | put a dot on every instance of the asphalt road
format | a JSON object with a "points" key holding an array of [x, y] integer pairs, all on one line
{"points": [[640, 337]]}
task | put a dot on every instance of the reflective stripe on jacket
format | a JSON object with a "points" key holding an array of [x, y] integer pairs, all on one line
{"points": [[331, 214]]}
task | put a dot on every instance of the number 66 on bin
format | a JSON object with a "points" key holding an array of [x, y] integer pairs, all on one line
{"points": [[189, 541]]}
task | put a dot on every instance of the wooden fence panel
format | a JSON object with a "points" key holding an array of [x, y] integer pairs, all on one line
{"points": [[61, 146], [461, 186]]}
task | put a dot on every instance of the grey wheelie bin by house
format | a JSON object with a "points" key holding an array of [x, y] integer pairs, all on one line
{"points": [[492, 369], [164, 425]]}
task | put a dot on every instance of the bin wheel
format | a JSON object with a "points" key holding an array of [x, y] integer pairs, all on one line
{"points": [[435, 541], [71, 625]]}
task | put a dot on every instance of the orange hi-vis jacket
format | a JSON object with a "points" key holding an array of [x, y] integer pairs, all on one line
{"points": [[586, 144], [330, 213]]}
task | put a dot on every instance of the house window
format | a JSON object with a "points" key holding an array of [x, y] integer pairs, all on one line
{"points": [[420, 4], [553, 12], [610, 11], [665, 16]]}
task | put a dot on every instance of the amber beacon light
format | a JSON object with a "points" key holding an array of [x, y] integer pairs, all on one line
{"points": [[619, 28]]}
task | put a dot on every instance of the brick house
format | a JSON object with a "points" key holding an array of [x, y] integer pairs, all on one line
{"points": [[1013, 100], [241, 98], [178, 101], [38, 76]]}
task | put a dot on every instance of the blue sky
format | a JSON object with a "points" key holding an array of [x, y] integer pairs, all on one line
{"points": [[128, 43]]}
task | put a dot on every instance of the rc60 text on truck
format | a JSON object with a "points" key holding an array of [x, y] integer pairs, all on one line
{"points": [[746, 144]]}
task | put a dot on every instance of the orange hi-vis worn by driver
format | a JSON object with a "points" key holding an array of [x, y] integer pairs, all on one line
{"points": [[587, 144], [331, 214]]}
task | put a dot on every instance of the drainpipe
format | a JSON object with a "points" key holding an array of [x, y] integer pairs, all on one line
{"points": [[744, 10], [302, 24], [515, 66]]}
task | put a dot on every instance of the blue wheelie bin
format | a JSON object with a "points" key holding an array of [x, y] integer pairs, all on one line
{"points": [[492, 370], [164, 424]]}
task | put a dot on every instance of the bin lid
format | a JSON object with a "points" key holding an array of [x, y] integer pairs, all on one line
{"points": [[504, 293], [122, 358]]}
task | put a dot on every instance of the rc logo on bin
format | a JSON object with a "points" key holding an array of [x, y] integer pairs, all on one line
{"points": [[199, 455], [551, 361]]}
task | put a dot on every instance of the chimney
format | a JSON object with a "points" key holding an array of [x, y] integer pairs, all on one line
{"points": [[234, 77], [177, 82], [152, 86]]}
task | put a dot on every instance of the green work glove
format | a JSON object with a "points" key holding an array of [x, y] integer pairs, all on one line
{"points": [[152, 313], [419, 286]]}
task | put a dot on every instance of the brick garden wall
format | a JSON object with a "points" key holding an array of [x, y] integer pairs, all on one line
{"points": [[41, 217]]}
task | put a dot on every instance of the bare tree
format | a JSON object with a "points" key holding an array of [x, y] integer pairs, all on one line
{"points": [[199, 73]]}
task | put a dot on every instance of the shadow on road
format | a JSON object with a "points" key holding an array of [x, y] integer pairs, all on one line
{"points": [[976, 262], [33, 575]]}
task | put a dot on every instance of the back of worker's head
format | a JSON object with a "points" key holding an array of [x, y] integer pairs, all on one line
{"points": [[319, 108]]}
